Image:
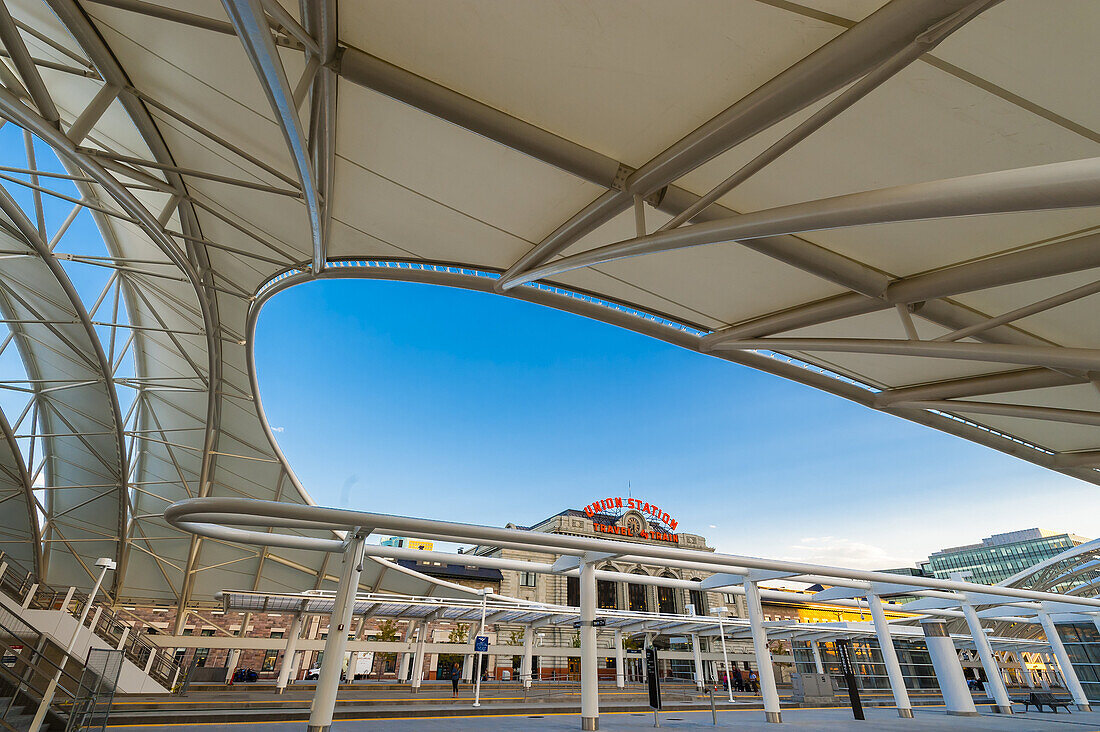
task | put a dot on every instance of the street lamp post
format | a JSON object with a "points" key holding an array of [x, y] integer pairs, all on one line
{"points": [[480, 654], [721, 612]]}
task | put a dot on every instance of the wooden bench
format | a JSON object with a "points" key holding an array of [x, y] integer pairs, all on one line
{"points": [[1043, 699]]}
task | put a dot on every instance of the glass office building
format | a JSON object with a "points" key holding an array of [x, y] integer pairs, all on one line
{"points": [[1001, 556]]}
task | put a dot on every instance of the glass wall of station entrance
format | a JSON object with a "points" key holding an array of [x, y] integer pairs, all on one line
{"points": [[870, 670], [1082, 642]]}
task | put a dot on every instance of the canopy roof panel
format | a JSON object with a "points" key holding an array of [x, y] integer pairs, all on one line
{"points": [[231, 150]]}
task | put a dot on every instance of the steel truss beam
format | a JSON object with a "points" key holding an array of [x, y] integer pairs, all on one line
{"points": [[320, 17], [252, 28], [11, 109], [91, 355], [1048, 260], [1070, 184], [971, 386], [28, 71], [846, 58], [91, 42], [19, 475], [1082, 359], [869, 285], [1070, 416]]}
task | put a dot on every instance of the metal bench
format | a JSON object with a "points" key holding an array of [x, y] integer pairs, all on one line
{"points": [[1043, 699]]}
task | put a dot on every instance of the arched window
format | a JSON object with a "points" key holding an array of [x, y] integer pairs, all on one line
{"points": [[636, 596], [666, 597], [607, 594], [698, 598]]}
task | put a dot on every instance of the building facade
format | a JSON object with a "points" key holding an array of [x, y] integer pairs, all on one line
{"points": [[998, 557]]}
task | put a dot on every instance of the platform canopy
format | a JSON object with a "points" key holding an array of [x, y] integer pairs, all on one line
{"points": [[892, 202], [510, 612]]}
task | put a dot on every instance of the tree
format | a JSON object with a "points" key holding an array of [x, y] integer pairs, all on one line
{"points": [[459, 634], [387, 631], [515, 638]]}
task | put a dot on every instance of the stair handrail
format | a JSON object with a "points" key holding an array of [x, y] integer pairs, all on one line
{"points": [[157, 662]]}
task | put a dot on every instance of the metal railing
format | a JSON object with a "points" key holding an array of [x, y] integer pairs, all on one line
{"points": [[159, 663], [28, 663], [549, 683]]}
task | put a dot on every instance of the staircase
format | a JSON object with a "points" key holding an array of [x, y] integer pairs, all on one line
{"points": [[15, 715], [28, 663], [158, 663]]}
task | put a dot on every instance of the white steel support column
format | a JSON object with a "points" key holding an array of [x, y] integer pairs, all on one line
{"points": [[1001, 703], [481, 659], [1064, 665], [698, 659], [949, 673], [1052, 670], [1024, 672], [418, 659], [817, 657], [328, 683], [721, 613], [403, 672], [590, 700], [620, 661], [528, 647], [889, 656], [1044, 675], [764, 669], [468, 667], [231, 664], [287, 665]]}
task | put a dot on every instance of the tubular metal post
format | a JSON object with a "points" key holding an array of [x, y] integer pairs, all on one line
{"points": [[288, 654], [590, 702], [480, 656], [890, 657], [328, 682], [764, 670], [713, 709]]}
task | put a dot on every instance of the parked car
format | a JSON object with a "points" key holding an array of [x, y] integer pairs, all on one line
{"points": [[313, 674]]}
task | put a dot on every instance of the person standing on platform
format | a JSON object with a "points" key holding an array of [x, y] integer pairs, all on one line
{"points": [[456, 674]]}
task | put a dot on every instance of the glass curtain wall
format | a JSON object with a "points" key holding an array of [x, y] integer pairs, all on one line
{"points": [[870, 670], [1082, 642]]}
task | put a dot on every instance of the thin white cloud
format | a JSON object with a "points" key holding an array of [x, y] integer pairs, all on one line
{"points": [[276, 429], [841, 552]]}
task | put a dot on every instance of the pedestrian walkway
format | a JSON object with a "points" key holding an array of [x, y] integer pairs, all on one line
{"points": [[805, 720]]}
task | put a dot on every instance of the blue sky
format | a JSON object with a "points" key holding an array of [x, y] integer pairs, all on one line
{"points": [[429, 401]]}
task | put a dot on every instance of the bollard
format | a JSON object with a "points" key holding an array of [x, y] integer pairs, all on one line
{"points": [[713, 709], [656, 719]]}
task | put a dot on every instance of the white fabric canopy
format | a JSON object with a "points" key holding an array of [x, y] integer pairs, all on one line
{"points": [[234, 150]]}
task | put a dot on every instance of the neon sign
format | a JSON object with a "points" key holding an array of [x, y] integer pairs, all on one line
{"points": [[632, 504]]}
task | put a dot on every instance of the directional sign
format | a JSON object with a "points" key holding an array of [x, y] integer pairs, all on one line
{"points": [[481, 644], [596, 623], [844, 654], [652, 678]]}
